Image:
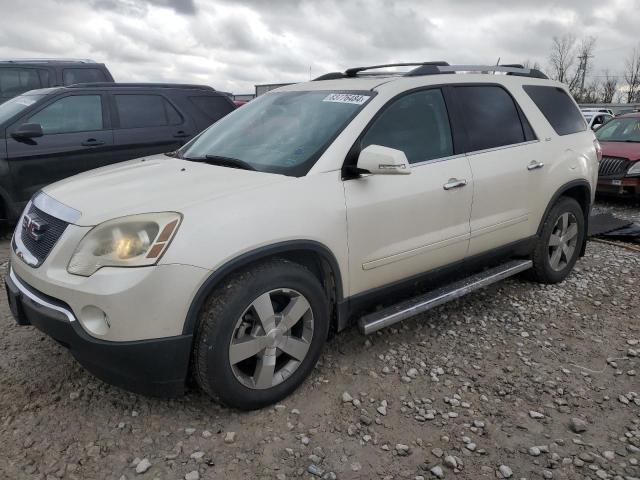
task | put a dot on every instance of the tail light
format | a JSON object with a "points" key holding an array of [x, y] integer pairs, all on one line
{"points": [[596, 144]]}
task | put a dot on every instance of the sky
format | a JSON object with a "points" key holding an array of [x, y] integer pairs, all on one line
{"points": [[233, 45]]}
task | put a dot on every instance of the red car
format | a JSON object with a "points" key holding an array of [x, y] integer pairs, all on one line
{"points": [[619, 171]]}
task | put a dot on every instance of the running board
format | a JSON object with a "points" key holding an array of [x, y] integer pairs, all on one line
{"points": [[373, 322]]}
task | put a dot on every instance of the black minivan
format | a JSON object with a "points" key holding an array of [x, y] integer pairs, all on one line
{"points": [[50, 134]]}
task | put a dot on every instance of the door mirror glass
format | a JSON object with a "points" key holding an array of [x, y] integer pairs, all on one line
{"points": [[380, 160], [28, 130]]}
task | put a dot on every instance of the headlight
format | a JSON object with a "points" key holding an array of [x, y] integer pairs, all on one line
{"points": [[635, 169], [134, 241]]}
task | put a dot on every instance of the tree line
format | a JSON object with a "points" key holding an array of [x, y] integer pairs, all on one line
{"points": [[571, 62]]}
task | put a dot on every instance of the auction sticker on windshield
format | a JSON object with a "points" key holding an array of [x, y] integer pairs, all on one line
{"points": [[346, 98]]}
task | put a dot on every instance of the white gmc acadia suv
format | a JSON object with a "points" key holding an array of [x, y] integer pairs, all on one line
{"points": [[359, 197]]}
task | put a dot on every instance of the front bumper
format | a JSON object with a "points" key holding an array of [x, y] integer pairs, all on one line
{"points": [[151, 367], [619, 186]]}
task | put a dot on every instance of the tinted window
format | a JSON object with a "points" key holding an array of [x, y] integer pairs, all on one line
{"points": [[14, 106], [620, 130], [138, 111], [558, 108], [14, 81], [212, 107], [71, 76], [417, 124], [79, 113], [490, 116]]}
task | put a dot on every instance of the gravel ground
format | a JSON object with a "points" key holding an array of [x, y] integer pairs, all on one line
{"points": [[516, 381]]}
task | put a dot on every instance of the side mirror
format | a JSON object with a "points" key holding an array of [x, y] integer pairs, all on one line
{"points": [[380, 160], [28, 130]]}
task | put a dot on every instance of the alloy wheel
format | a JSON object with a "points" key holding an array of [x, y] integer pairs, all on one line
{"points": [[563, 241]]}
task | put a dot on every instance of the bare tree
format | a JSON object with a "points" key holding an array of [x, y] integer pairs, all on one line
{"points": [[632, 75], [591, 93], [532, 65], [562, 57], [609, 87]]}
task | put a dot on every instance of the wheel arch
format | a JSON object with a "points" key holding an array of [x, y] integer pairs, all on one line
{"points": [[313, 255], [579, 190]]}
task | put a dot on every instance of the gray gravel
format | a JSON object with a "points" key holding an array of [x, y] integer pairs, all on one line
{"points": [[445, 395]]}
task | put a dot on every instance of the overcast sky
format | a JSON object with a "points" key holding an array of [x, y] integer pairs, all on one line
{"points": [[233, 45]]}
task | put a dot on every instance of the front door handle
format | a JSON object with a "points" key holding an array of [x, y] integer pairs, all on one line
{"points": [[181, 134], [454, 183], [533, 165], [92, 142]]}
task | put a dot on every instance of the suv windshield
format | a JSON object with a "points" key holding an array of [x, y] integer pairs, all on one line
{"points": [[620, 130], [282, 132], [15, 105]]}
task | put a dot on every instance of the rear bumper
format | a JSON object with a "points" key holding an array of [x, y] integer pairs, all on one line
{"points": [[619, 186], [155, 367]]}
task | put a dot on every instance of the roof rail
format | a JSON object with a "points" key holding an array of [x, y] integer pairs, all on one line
{"points": [[141, 85], [47, 60], [434, 68]]}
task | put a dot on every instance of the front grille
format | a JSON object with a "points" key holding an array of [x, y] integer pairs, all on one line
{"points": [[610, 166], [41, 247]]}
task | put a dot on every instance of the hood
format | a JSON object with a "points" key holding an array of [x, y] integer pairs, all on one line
{"points": [[629, 150], [151, 184]]}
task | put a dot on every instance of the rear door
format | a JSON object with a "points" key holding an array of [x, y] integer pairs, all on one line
{"points": [[77, 137], [146, 124], [504, 156]]}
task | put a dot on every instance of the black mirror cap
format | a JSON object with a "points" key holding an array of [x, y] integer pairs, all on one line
{"points": [[28, 130]]}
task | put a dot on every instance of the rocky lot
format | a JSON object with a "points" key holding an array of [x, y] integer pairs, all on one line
{"points": [[516, 381]]}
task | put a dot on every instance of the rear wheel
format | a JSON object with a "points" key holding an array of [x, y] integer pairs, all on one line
{"points": [[261, 334], [558, 248]]}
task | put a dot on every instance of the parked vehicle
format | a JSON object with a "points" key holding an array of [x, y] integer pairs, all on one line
{"points": [[596, 120], [619, 172], [592, 110], [51, 134], [300, 213], [19, 76]]}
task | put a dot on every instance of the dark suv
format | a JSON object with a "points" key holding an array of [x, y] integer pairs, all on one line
{"points": [[19, 76], [50, 134]]}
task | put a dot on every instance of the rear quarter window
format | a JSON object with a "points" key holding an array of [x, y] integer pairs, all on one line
{"points": [[212, 107], [558, 108], [71, 76]]}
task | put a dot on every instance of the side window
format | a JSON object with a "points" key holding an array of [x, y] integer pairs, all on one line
{"points": [[558, 108], [78, 113], [490, 117], [212, 107], [71, 76], [14, 81], [137, 111], [417, 124]]}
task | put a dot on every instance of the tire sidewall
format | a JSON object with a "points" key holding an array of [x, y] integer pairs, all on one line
{"points": [[565, 205], [221, 377]]}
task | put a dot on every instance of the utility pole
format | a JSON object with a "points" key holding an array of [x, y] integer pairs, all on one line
{"points": [[584, 58]]}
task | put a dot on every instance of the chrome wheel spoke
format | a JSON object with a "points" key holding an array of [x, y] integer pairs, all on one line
{"points": [[564, 223], [244, 349], [555, 258], [296, 347], [568, 252], [264, 309], [293, 312], [554, 240], [265, 369], [572, 231]]}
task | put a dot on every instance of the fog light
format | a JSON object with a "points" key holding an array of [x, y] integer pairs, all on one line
{"points": [[94, 320]]}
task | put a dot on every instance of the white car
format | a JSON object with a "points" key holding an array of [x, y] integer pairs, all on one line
{"points": [[233, 258], [595, 120]]}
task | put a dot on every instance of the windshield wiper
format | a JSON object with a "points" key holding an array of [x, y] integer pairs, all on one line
{"points": [[223, 162]]}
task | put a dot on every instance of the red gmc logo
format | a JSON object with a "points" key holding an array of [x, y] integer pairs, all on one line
{"points": [[34, 226]]}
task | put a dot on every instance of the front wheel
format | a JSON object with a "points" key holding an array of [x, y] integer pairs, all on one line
{"points": [[261, 334], [561, 238]]}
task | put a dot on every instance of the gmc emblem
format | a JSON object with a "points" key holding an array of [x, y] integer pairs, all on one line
{"points": [[34, 226]]}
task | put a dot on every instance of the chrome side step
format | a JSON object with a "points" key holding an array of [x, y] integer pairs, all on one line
{"points": [[373, 322]]}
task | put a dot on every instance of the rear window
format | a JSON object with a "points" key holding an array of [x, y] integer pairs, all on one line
{"points": [[14, 81], [137, 111], [558, 108], [212, 107], [71, 76], [490, 117]]}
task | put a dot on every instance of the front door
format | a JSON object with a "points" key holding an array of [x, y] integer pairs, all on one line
{"points": [[403, 225], [75, 140]]}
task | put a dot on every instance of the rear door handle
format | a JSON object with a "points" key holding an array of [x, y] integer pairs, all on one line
{"points": [[454, 183], [92, 142], [533, 165], [181, 134]]}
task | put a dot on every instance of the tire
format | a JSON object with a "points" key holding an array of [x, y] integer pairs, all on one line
{"points": [[556, 253], [244, 354]]}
